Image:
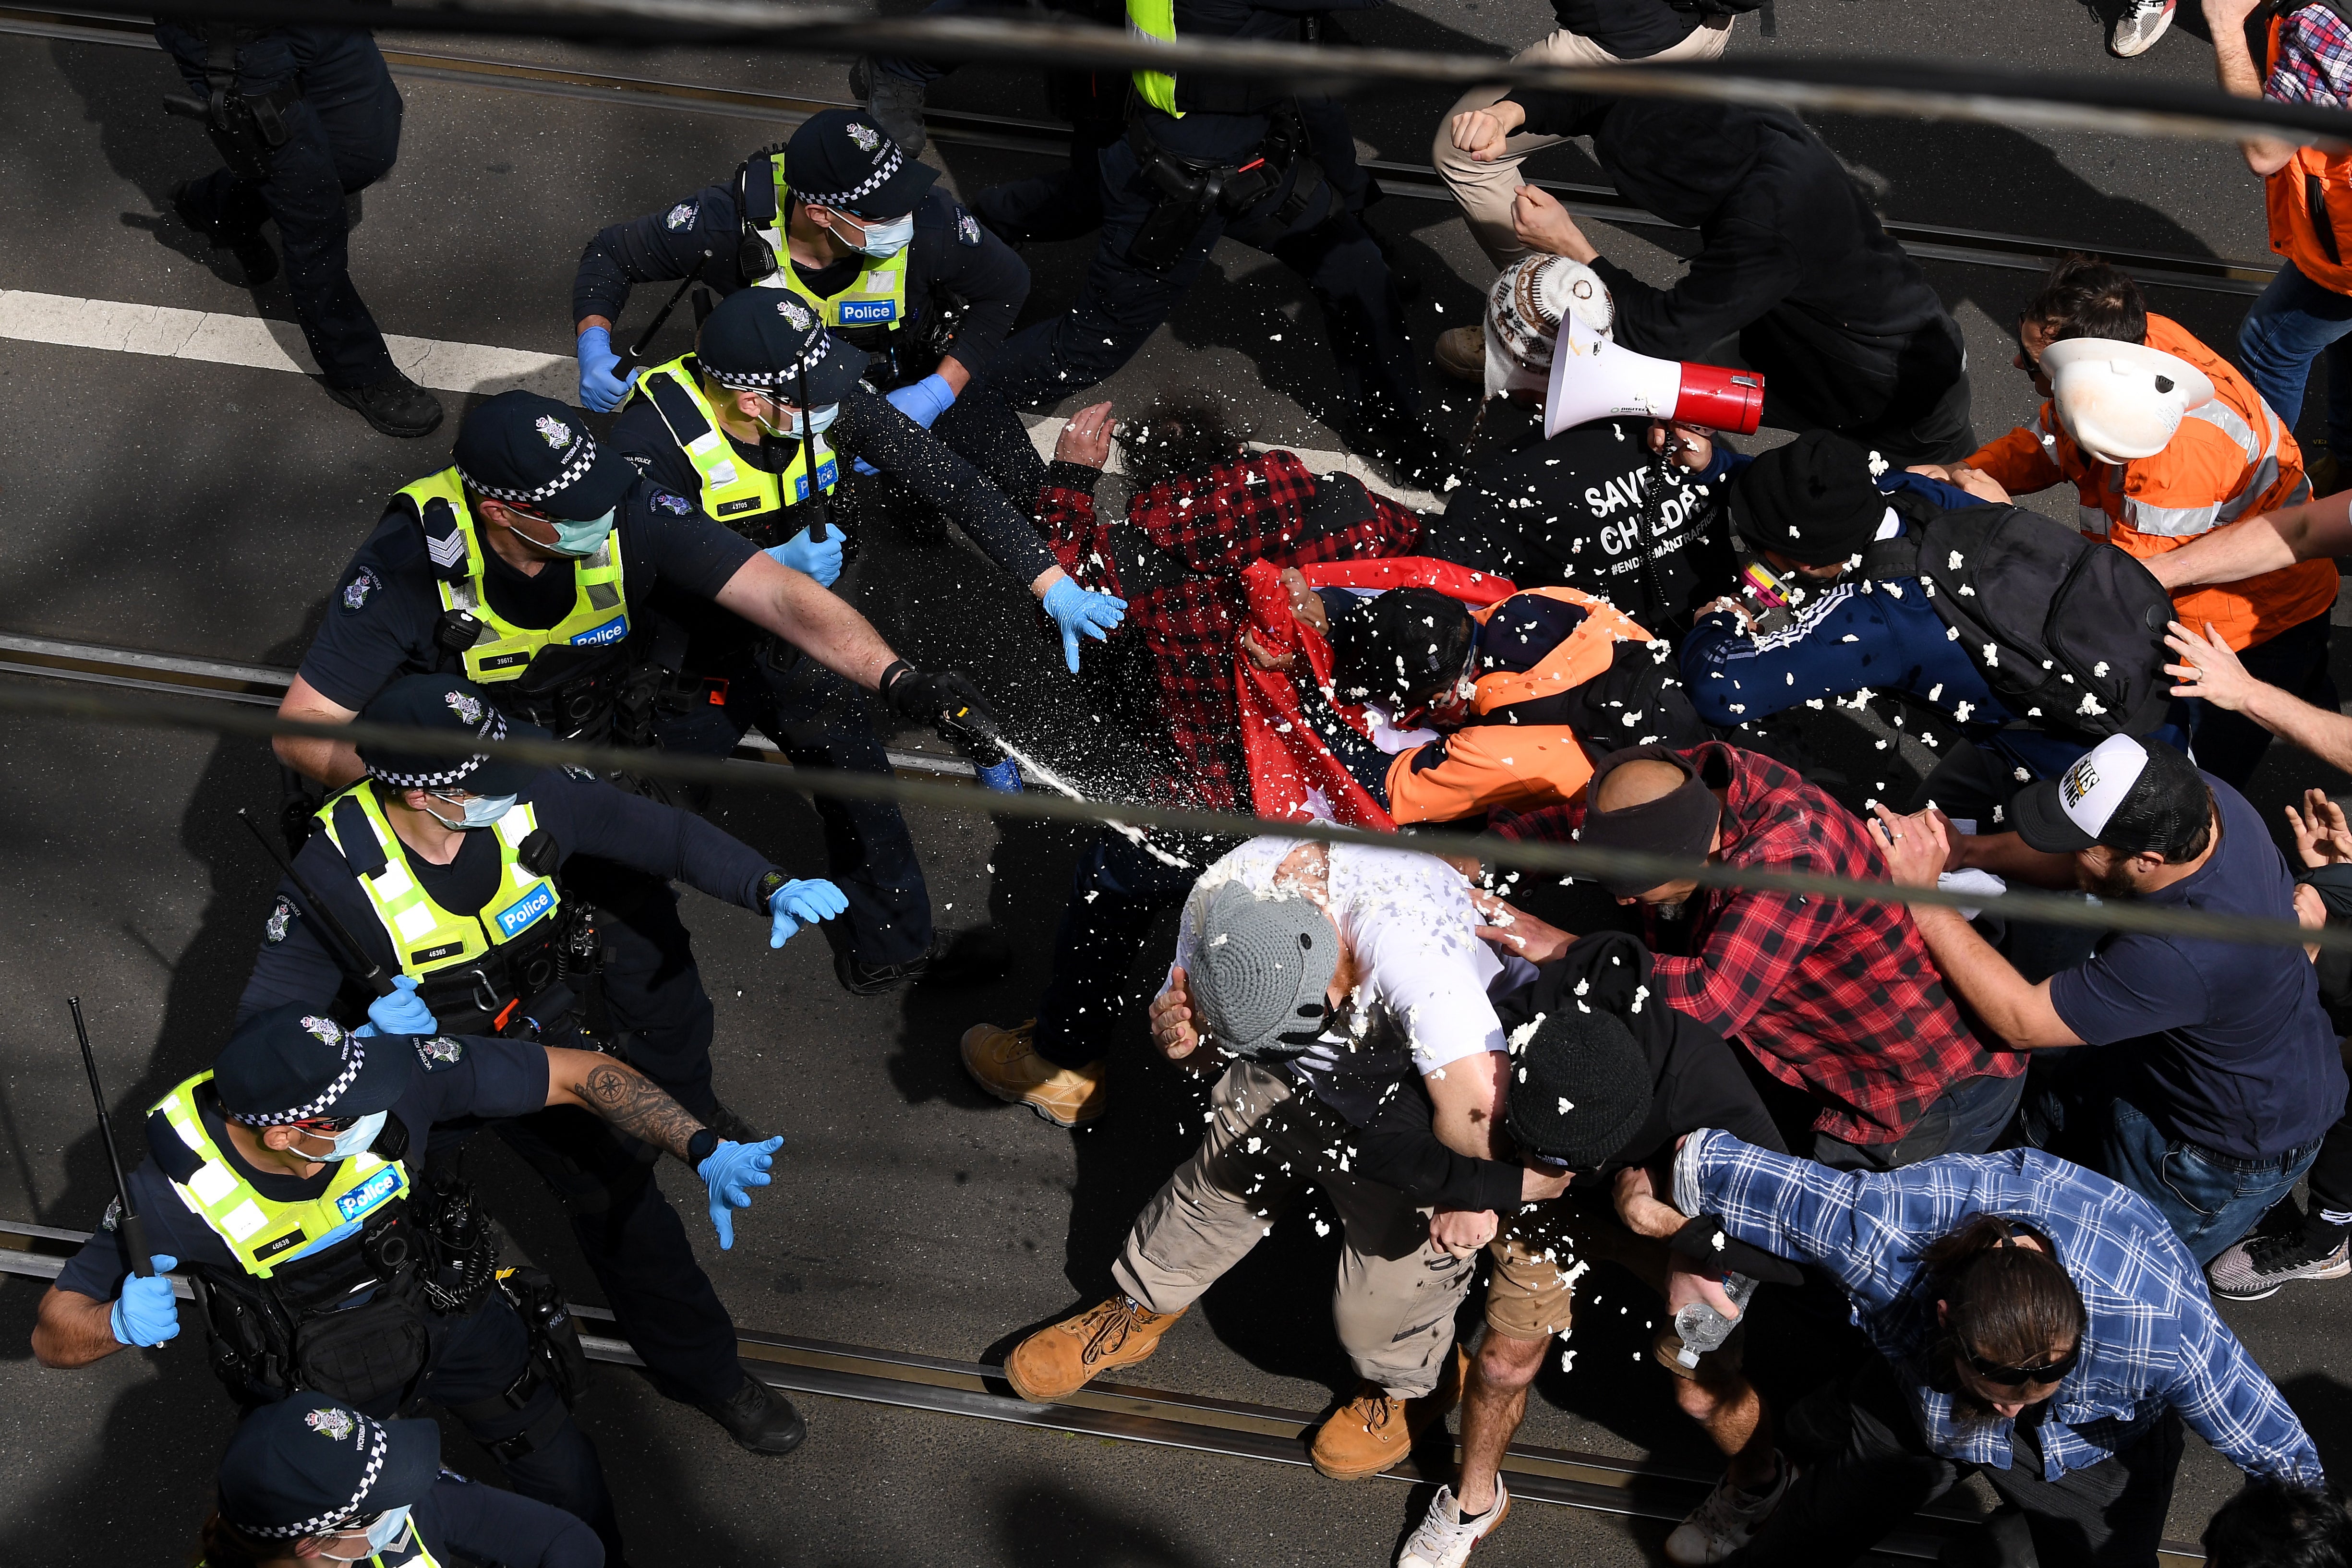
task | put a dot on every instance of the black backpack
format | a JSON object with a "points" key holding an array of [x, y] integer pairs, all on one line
{"points": [[2068, 630]]}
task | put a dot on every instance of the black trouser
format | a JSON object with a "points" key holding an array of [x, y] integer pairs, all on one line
{"points": [[820, 721], [344, 133], [2107, 1515], [1117, 894], [1910, 402], [983, 429], [661, 1016]]}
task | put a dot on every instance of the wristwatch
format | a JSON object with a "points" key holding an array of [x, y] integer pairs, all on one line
{"points": [[701, 1146], [768, 885]]}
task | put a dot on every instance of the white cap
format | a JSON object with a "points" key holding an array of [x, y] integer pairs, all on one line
{"points": [[1523, 309], [2121, 401], [2077, 809]]}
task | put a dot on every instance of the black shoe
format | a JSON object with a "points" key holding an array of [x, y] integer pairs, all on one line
{"points": [[253, 257], [731, 1127], [396, 407], [862, 979], [761, 1420]]}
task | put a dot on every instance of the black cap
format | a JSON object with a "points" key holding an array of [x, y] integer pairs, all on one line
{"points": [[762, 339], [2130, 795], [1814, 500], [842, 158], [1401, 649], [289, 1065], [536, 452], [459, 707], [313, 1466], [1579, 1087]]}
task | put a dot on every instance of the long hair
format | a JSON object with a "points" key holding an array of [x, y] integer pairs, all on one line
{"points": [[223, 1545], [1183, 433], [2007, 1303]]}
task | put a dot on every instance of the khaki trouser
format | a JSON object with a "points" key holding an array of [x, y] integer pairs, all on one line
{"points": [[1394, 1302], [1542, 1252], [1484, 190]]}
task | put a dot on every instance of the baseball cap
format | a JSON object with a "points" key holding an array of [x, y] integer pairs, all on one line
{"points": [[314, 1466], [842, 158], [1262, 968], [1401, 649], [534, 451], [2121, 401], [2125, 793], [446, 702], [291, 1065], [762, 339]]}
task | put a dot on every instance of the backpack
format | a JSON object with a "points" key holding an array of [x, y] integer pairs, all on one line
{"points": [[2068, 630]]}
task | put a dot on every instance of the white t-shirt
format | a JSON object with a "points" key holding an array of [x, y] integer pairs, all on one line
{"points": [[1408, 918]]}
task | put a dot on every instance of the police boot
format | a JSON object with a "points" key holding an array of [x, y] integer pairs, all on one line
{"points": [[395, 408], [253, 257], [895, 103], [759, 1418]]}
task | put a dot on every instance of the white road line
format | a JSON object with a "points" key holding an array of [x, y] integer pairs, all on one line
{"points": [[211, 338]]}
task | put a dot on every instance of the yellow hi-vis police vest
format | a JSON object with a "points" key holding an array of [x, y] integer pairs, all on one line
{"points": [[1155, 19], [426, 936], [876, 297], [260, 1231], [417, 1555], [734, 492], [599, 616]]}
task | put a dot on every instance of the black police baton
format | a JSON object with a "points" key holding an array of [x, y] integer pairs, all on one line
{"points": [[129, 1225], [371, 972], [635, 355], [817, 497]]}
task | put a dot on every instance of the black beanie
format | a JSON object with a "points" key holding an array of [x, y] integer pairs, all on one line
{"points": [[1580, 1087], [1813, 501]]}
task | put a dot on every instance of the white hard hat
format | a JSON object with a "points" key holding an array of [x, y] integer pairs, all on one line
{"points": [[2121, 401], [1523, 309]]}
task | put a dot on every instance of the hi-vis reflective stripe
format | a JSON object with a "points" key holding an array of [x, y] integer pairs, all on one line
{"points": [[1156, 20], [418, 925], [2261, 454]]}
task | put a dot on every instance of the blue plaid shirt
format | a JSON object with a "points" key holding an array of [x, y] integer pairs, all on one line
{"points": [[2153, 1340]]}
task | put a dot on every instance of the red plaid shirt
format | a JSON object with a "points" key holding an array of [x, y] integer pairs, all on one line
{"points": [[1215, 523]]}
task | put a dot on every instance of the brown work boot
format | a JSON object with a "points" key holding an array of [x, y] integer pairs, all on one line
{"points": [[1461, 353], [1055, 1363], [1006, 1063], [1376, 1430]]}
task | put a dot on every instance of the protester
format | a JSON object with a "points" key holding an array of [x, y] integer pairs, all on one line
{"points": [[2211, 673], [2219, 1074], [2273, 1523]]}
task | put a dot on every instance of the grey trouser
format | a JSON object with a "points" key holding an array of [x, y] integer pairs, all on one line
{"points": [[1394, 1302]]}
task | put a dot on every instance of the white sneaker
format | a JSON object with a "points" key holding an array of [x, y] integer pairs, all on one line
{"points": [[1444, 1538], [1726, 1520], [2142, 23]]}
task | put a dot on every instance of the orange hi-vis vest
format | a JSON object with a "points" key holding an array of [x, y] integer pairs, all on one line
{"points": [[2310, 200]]}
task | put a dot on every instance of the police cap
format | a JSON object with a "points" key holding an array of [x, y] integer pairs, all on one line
{"points": [[762, 340], [314, 1466], [289, 1065], [842, 158], [446, 702], [532, 451]]}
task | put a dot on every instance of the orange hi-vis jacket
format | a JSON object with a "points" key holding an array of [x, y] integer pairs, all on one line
{"points": [[1513, 753], [2229, 459], [2310, 199]]}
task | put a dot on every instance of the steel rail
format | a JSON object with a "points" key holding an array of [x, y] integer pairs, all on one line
{"points": [[1932, 242]]}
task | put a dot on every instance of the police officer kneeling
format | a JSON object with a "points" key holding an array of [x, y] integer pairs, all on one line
{"points": [[312, 1480], [279, 1177]]}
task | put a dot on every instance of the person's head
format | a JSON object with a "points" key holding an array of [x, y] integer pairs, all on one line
{"points": [[1812, 506], [309, 1480], [531, 467], [455, 790], [2133, 813], [2009, 1317], [2081, 297], [1183, 435], [307, 1090], [2121, 401], [2277, 1523], [764, 351], [1525, 308], [1578, 1086], [1269, 969], [1651, 800], [1407, 652], [855, 182]]}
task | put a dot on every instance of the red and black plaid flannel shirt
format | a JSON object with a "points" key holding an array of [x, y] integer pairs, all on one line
{"points": [[1217, 524]]}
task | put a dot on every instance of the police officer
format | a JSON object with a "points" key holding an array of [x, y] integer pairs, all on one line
{"points": [[305, 117], [448, 873], [769, 391], [281, 1178], [1207, 156], [526, 566], [311, 1480]]}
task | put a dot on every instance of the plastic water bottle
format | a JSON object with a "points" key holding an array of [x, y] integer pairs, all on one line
{"points": [[1703, 1328]]}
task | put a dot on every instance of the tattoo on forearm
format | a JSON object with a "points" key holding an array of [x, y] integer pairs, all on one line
{"points": [[636, 1105]]}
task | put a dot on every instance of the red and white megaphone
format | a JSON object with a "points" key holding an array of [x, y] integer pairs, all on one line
{"points": [[1593, 378]]}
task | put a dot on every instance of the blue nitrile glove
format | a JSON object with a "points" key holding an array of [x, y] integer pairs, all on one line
{"points": [[402, 1012], [1004, 778], [802, 553], [924, 400], [599, 389], [147, 1313], [731, 1172], [796, 904], [1076, 610]]}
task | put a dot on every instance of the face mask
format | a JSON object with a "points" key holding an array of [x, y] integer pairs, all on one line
{"points": [[578, 540], [824, 418], [886, 238], [385, 1533], [481, 810], [356, 1138]]}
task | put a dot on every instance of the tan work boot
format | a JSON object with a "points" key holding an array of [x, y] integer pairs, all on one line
{"points": [[1006, 1063], [1376, 1430], [1055, 1363], [1461, 353]]}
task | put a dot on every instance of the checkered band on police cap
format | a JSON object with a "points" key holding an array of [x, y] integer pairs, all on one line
{"points": [[891, 161], [576, 467], [354, 1049], [354, 1508], [811, 354], [446, 770]]}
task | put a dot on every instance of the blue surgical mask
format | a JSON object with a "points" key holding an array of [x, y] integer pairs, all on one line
{"points": [[817, 423], [481, 810], [382, 1535], [579, 540], [358, 1137], [886, 238]]}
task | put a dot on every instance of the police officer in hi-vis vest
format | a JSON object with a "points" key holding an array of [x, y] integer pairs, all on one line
{"points": [[312, 1481], [526, 566], [449, 873], [726, 425], [280, 1179]]}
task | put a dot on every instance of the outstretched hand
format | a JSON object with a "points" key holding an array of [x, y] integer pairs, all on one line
{"points": [[2322, 837], [2209, 670]]}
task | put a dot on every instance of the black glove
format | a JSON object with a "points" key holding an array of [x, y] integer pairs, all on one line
{"points": [[941, 697]]}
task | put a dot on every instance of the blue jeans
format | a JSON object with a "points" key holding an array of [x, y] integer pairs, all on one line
{"points": [[2294, 322]]}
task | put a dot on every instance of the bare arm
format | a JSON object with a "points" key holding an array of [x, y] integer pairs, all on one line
{"points": [[73, 1330], [332, 762], [812, 619], [2212, 671], [2266, 541], [2240, 77], [621, 1095], [2011, 859], [1468, 1096]]}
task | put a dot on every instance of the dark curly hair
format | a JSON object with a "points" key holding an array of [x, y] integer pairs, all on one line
{"points": [[1182, 432], [2274, 1523], [2084, 297]]}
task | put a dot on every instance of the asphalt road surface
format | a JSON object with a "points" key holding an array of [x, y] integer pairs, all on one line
{"points": [[186, 505]]}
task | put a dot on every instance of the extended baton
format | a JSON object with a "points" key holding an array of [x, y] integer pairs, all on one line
{"points": [[127, 1225], [637, 354], [817, 530], [371, 972]]}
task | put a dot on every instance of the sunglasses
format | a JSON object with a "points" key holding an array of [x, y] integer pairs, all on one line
{"points": [[326, 1124], [2017, 1376]]}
